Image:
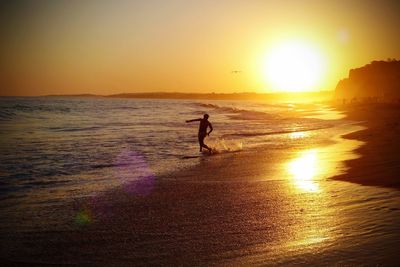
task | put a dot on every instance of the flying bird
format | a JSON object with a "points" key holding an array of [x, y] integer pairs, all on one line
{"points": [[236, 71]]}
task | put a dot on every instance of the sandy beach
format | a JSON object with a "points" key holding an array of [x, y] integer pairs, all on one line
{"points": [[270, 206], [380, 162]]}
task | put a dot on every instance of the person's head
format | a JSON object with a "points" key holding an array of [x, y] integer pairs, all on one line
{"points": [[205, 116]]}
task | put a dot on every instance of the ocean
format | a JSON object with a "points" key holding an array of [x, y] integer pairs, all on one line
{"points": [[80, 146]]}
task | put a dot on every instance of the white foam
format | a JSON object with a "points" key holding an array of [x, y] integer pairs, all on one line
{"points": [[221, 145]]}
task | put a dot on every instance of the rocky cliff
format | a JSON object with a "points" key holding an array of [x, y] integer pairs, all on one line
{"points": [[379, 80]]}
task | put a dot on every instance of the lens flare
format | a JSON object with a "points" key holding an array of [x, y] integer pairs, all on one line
{"points": [[83, 217], [134, 174]]}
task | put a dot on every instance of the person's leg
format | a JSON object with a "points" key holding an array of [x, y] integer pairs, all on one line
{"points": [[201, 141], [205, 146]]}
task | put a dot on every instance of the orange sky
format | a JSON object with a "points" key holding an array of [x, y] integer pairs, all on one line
{"points": [[106, 47]]}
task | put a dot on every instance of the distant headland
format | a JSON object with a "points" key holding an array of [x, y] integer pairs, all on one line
{"points": [[375, 82], [300, 96]]}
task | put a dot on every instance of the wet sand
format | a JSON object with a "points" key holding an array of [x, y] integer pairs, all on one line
{"points": [[380, 161], [275, 205]]}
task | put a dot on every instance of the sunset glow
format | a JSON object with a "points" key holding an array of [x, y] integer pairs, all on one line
{"points": [[294, 66], [104, 47]]}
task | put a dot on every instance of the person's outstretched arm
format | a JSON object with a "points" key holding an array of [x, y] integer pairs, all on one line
{"points": [[211, 128], [193, 120]]}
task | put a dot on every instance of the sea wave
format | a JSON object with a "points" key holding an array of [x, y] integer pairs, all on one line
{"points": [[41, 108], [6, 114], [239, 113], [252, 134], [73, 129]]}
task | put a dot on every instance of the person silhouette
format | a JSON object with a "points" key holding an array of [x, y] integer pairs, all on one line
{"points": [[204, 124]]}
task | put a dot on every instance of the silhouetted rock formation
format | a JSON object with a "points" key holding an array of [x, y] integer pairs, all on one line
{"points": [[377, 81]]}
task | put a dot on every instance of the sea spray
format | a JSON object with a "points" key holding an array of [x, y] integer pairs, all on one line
{"points": [[221, 145]]}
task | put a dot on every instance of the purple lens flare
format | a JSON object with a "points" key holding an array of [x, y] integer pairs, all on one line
{"points": [[134, 173]]}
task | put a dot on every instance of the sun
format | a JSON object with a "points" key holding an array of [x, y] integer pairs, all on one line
{"points": [[294, 66]]}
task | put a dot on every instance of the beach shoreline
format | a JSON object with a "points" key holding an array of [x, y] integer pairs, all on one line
{"points": [[239, 208], [379, 163]]}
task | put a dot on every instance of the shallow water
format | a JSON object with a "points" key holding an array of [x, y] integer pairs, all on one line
{"points": [[334, 222], [87, 145]]}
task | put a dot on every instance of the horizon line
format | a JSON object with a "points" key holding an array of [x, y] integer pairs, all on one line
{"points": [[173, 93]]}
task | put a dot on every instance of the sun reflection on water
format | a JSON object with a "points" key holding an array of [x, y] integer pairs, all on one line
{"points": [[313, 194], [304, 170], [297, 135]]}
